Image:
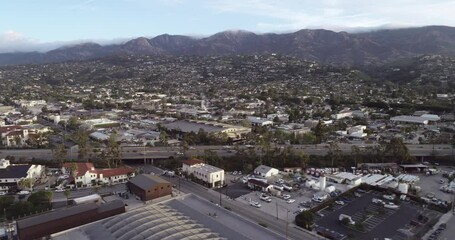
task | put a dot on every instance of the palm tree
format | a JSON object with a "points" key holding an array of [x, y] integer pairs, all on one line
{"points": [[67, 194]]}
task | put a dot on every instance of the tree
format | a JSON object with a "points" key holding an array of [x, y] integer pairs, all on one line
{"points": [[40, 197], [356, 154], [164, 138], [320, 131], [73, 169], [304, 219], [60, 153], [397, 149], [81, 137], [114, 153], [26, 183], [334, 152], [67, 194]]}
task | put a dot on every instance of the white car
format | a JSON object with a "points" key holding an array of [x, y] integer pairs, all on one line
{"points": [[340, 203], [2, 193], [389, 197], [290, 201], [286, 196], [59, 190], [255, 204]]}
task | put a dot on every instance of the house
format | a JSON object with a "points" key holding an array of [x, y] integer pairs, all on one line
{"points": [[11, 175], [148, 187], [85, 174], [265, 171], [210, 175], [13, 135]]}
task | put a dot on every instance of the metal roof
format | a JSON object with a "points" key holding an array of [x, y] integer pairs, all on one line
{"points": [[146, 181]]}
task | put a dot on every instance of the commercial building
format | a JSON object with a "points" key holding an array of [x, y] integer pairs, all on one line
{"points": [[187, 126], [265, 171], [148, 187], [409, 119], [43, 225], [210, 175]]}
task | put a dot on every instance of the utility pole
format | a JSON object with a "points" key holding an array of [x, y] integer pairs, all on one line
{"points": [[276, 209]]}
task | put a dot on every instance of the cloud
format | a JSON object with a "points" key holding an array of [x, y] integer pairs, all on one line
{"points": [[12, 41], [285, 15]]}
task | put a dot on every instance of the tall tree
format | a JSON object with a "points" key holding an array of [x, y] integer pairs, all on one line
{"points": [[81, 137], [398, 150], [114, 153], [319, 132], [60, 153], [334, 153]]}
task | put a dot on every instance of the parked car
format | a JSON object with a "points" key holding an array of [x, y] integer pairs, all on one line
{"points": [[286, 196], [59, 190], [23, 192], [389, 197]]}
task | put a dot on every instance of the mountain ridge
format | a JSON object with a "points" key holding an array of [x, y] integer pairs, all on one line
{"points": [[325, 46]]}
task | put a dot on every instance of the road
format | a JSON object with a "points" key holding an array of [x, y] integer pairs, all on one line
{"points": [[134, 152], [277, 225]]}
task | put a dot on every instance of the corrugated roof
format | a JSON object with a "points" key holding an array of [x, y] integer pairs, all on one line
{"points": [[55, 215]]}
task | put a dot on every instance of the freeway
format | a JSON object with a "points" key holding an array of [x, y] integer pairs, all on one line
{"points": [[133, 152]]}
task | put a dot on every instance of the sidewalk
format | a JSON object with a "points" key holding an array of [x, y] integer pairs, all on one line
{"points": [[443, 219]]}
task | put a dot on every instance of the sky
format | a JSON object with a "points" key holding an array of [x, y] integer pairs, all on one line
{"points": [[41, 25]]}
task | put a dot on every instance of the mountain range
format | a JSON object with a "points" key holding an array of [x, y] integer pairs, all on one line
{"points": [[329, 47]]}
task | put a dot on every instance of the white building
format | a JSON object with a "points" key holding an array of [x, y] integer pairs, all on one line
{"points": [[265, 171], [11, 175], [85, 174], [409, 119], [212, 176], [257, 121]]}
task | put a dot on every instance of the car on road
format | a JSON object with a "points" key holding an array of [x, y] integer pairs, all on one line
{"points": [[442, 181], [391, 206], [339, 202], [23, 192], [286, 196], [317, 200], [255, 204], [59, 190], [290, 201], [265, 198]]}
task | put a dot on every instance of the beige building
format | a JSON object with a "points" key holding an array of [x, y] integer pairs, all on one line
{"points": [[210, 175]]}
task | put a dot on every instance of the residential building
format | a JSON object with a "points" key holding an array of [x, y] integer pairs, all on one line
{"points": [[265, 171], [85, 174], [148, 187], [13, 135], [11, 175], [210, 175]]}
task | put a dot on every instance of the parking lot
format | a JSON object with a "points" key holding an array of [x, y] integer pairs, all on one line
{"points": [[375, 220], [432, 184]]}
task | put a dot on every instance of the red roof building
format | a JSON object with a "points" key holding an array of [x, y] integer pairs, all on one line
{"points": [[85, 174]]}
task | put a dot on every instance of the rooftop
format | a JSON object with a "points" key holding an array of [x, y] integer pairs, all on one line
{"points": [[146, 181]]}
